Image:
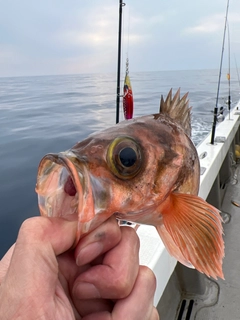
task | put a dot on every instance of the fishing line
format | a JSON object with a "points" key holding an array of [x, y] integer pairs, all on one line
{"points": [[123, 42], [126, 39], [219, 80], [229, 74], [237, 70], [127, 51], [128, 31], [121, 5]]}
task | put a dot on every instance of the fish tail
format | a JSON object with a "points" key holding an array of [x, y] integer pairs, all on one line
{"points": [[192, 231]]}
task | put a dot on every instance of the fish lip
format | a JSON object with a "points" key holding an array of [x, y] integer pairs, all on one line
{"points": [[89, 189], [75, 169]]}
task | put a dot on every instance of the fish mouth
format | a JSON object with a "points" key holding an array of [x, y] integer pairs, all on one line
{"points": [[66, 189]]}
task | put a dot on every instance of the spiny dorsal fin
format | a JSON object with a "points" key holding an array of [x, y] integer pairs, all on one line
{"points": [[177, 109]]}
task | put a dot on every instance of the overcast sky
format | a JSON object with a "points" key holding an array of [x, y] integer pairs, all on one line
{"points": [[76, 36]]}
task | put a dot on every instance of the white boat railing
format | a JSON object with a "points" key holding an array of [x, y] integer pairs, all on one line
{"points": [[152, 251]]}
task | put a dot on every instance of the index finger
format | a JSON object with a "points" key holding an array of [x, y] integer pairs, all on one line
{"points": [[115, 276]]}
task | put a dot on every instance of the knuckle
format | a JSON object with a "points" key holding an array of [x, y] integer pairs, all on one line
{"points": [[122, 287]]}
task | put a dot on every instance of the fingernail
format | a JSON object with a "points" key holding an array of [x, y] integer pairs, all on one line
{"points": [[89, 253], [85, 290]]}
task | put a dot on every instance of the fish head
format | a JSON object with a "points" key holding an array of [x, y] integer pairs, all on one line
{"points": [[126, 170]]}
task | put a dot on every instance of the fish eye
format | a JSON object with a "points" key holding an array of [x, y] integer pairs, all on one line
{"points": [[128, 157], [124, 157]]}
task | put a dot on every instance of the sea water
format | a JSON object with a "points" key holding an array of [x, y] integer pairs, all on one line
{"points": [[51, 113]]}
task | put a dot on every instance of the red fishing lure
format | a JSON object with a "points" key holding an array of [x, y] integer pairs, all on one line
{"points": [[127, 96]]}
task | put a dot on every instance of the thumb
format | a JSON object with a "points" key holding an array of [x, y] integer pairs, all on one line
{"points": [[56, 233], [39, 241], [5, 261]]}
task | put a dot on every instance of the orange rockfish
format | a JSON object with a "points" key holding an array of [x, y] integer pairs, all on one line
{"points": [[144, 170]]}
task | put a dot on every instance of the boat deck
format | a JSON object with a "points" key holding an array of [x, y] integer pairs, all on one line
{"points": [[191, 295], [227, 304]]}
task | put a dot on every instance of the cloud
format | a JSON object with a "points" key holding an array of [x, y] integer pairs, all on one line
{"points": [[210, 24], [82, 36], [100, 28], [7, 53], [213, 23], [94, 29]]}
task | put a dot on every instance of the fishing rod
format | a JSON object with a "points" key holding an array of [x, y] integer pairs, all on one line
{"points": [[121, 5], [215, 112], [229, 75]]}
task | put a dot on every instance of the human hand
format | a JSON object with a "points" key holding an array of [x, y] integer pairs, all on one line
{"points": [[39, 276]]}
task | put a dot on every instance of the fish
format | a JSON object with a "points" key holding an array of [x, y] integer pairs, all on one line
{"points": [[144, 170]]}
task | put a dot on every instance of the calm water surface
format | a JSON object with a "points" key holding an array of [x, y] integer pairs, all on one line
{"points": [[50, 114]]}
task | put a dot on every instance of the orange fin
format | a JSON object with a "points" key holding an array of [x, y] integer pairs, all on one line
{"points": [[171, 247], [193, 232], [177, 109]]}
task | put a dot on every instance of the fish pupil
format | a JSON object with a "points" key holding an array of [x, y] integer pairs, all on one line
{"points": [[127, 157]]}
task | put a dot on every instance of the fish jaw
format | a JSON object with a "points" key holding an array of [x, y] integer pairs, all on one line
{"points": [[66, 189]]}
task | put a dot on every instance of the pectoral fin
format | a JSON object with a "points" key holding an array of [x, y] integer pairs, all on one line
{"points": [[192, 232], [172, 248]]}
